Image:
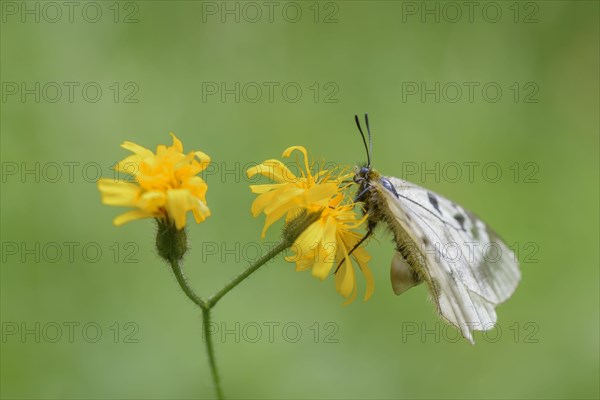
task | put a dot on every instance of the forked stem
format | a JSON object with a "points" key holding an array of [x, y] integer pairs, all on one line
{"points": [[293, 230], [206, 306]]}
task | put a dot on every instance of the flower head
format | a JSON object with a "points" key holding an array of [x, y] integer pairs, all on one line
{"points": [[166, 186], [290, 194], [327, 242]]}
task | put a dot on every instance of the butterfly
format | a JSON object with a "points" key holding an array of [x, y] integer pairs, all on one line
{"points": [[468, 269]]}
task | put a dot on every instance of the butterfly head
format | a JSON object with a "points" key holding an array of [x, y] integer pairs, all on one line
{"points": [[361, 173]]}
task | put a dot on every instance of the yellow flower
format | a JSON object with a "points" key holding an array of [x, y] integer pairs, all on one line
{"points": [[166, 186], [290, 194], [326, 242]]}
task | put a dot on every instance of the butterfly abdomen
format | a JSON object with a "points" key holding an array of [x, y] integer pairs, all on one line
{"points": [[379, 211]]}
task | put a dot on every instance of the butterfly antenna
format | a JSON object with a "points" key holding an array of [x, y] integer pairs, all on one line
{"points": [[364, 139], [370, 138]]}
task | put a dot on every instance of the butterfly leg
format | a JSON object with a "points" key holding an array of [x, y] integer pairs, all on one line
{"points": [[360, 197], [370, 229]]}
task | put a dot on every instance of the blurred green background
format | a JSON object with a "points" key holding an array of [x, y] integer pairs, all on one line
{"points": [[157, 64]]}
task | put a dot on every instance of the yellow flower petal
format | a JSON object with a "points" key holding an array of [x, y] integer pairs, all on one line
{"points": [[344, 278], [274, 170], [177, 145], [259, 189], [369, 279], [289, 198], [137, 149], [196, 186], [179, 202], [129, 165], [118, 193], [203, 158], [309, 239], [151, 202], [272, 217], [201, 212], [262, 201], [320, 193], [287, 152], [326, 251], [130, 216]]}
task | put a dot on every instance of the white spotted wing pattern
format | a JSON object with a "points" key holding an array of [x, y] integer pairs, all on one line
{"points": [[468, 268]]}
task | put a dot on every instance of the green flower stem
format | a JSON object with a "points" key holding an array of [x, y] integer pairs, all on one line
{"points": [[205, 324], [206, 306], [189, 292], [293, 230], [211, 352], [252, 268]]}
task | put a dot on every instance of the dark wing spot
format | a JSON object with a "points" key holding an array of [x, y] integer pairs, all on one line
{"points": [[434, 202], [461, 220], [452, 274]]}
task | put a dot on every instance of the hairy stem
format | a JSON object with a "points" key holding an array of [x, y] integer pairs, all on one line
{"points": [[189, 292], [211, 352]]}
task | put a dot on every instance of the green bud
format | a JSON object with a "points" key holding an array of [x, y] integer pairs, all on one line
{"points": [[171, 243]]}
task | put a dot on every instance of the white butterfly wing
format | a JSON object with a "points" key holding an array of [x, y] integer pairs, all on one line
{"points": [[468, 269]]}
